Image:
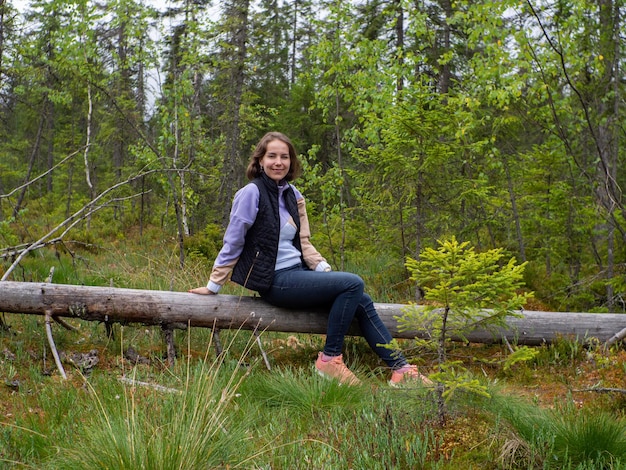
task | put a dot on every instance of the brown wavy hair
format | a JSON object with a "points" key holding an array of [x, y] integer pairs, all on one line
{"points": [[254, 167]]}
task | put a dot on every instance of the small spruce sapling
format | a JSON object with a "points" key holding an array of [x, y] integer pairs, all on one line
{"points": [[463, 291]]}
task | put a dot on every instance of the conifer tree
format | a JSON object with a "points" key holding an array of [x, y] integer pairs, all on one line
{"points": [[463, 291]]}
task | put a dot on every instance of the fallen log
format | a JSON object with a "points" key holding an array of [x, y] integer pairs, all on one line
{"points": [[163, 308]]}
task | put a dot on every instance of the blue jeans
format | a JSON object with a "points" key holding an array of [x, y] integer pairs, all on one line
{"points": [[297, 287]]}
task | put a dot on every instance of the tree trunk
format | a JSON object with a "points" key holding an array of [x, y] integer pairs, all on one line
{"points": [[514, 212], [237, 14], [399, 27], [228, 311], [445, 75], [33, 158]]}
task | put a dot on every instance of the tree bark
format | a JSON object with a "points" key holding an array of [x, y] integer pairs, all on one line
{"points": [[237, 13], [33, 158], [227, 311]]}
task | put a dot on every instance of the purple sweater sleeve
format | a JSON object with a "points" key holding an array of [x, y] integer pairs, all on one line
{"points": [[242, 216]]}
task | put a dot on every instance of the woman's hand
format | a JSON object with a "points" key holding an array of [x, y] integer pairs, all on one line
{"points": [[201, 291], [323, 266]]}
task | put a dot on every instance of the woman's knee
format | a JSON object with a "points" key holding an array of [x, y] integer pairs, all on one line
{"points": [[355, 281]]}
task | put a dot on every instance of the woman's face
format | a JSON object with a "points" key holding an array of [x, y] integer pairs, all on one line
{"points": [[276, 161]]}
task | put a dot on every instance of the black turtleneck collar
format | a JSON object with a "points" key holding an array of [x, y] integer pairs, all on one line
{"points": [[270, 183]]}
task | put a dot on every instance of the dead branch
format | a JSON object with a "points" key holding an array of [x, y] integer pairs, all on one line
{"points": [[620, 335], [69, 223], [158, 387], [601, 390], [43, 175], [55, 354]]}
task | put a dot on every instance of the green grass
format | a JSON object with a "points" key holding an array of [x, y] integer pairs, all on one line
{"points": [[345, 427], [160, 430], [562, 437], [588, 439], [232, 412]]}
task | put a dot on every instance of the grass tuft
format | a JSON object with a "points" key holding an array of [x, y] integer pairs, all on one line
{"points": [[302, 391], [560, 438], [589, 439], [152, 429]]}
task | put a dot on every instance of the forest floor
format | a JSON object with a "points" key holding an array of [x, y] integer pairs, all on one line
{"points": [[564, 373]]}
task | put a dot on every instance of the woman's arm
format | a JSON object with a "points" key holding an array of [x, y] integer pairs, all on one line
{"points": [[313, 259], [242, 216]]}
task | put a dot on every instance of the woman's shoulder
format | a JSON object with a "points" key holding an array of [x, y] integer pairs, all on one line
{"points": [[248, 194], [249, 189], [297, 193]]}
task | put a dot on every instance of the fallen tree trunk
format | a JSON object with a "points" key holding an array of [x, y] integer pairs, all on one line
{"points": [[165, 308]]}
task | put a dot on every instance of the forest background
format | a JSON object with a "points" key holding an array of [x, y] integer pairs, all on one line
{"points": [[497, 122]]}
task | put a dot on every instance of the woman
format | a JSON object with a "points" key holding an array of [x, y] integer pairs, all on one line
{"points": [[267, 248]]}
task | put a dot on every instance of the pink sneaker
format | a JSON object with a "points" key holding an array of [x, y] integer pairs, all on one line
{"points": [[336, 369], [407, 374]]}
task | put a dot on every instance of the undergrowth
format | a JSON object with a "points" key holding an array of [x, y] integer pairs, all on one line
{"points": [[230, 411]]}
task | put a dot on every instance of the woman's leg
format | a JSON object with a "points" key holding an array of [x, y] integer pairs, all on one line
{"points": [[343, 292], [376, 333]]}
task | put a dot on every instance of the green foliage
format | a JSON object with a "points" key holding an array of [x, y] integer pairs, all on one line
{"points": [[455, 378], [459, 284], [7, 235], [206, 244], [473, 118], [519, 355], [562, 438]]}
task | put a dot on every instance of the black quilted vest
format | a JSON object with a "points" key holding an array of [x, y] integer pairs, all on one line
{"points": [[255, 267]]}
